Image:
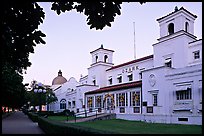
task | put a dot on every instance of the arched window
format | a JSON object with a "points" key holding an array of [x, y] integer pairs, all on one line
{"points": [[63, 104], [96, 58], [105, 58], [171, 28], [186, 27]]}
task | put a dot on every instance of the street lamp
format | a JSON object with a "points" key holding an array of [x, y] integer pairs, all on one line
{"points": [[38, 88]]}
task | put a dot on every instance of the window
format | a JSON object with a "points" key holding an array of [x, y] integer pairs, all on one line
{"points": [[98, 101], [140, 75], [135, 98], [196, 54], [105, 58], [149, 109], [90, 102], [136, 109], [94, 82], [168, 62], [184, 94], [130, 77], [182, 119], [122, 110], [186, 27], [73, 104], [63, 104], [119, 79], [120, 99], [154, 99], [69, 104], [96, 58], [171, 28], [110, 80]]}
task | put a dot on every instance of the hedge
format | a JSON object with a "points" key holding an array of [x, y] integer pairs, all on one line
{"points": [[33, 116], [55, 127]]}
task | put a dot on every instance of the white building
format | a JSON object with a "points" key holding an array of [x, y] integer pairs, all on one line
{"points": [[164, 87]]}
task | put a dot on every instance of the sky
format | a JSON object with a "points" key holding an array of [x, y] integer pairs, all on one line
{"points": [[69, 40]]}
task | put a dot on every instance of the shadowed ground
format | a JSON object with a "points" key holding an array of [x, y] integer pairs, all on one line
{"points": [[19, 123]]}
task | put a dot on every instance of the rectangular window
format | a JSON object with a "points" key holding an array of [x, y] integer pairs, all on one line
{"points": [[135, 98], [184, 94], [154, 99], [120, 99], [168, 62], [182, 119], [98, 101], [69, 104], [94, 82], [196, 54], [119, 79], [90, 102], [144, 103], [73, 104], [122, 110], [130, 77], [150, 109], [140, 75], [110, 81], [136, 109]]}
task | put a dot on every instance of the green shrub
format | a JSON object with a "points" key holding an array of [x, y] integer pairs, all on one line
{"points": [[33, 116], [54, 127]]}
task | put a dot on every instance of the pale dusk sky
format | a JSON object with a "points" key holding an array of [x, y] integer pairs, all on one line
{"points": [[69, 40]]}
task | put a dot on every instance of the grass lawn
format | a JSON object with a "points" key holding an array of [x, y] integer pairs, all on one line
{"points": [[137, 127]]}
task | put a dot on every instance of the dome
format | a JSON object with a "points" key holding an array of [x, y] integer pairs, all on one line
{"points": [[59, 79]]}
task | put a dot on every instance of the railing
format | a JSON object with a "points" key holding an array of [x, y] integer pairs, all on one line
{"points": [[85, 112]]}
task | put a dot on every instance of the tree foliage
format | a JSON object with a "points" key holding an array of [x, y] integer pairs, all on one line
{"points": [[20, 35], [46, 98], [19, 26], [99, 14]]}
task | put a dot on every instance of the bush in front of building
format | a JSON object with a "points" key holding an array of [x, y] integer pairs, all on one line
{"points": [[33, 116], [54, 127]]}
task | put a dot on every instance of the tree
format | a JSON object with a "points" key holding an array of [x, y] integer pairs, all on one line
{"points": [[20, 35], [100, 14], [19, 23], [34, 98]]}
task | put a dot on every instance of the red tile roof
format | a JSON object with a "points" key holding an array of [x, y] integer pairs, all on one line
{"points": [[130, 62], [117, 87]]}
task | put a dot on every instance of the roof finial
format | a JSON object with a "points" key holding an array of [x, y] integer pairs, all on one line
{"points": [[101, 46], [176, 8], [60, 73]]}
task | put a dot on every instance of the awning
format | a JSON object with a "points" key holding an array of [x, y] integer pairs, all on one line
{"points": [[182, 109], [184, 87]]}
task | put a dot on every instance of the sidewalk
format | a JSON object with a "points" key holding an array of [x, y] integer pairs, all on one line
{"points": [[19, 123]]}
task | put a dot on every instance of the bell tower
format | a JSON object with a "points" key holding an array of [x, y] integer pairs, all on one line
{"points": [[101, 60], [102, 55], [176, 31], [178, 20]]}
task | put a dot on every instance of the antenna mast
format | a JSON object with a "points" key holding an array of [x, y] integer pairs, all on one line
{"points": [[134, 41]]}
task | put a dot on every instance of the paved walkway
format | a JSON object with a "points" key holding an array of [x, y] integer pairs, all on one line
{"points": [[19, 123]]}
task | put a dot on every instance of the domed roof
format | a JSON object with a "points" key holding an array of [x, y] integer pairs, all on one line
{"points": [[59, 79]]}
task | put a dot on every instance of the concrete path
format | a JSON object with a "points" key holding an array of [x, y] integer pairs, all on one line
{"points": [[19, 123]]}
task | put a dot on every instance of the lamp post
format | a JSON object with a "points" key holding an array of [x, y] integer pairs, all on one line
{"points": [[38, 88]]}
